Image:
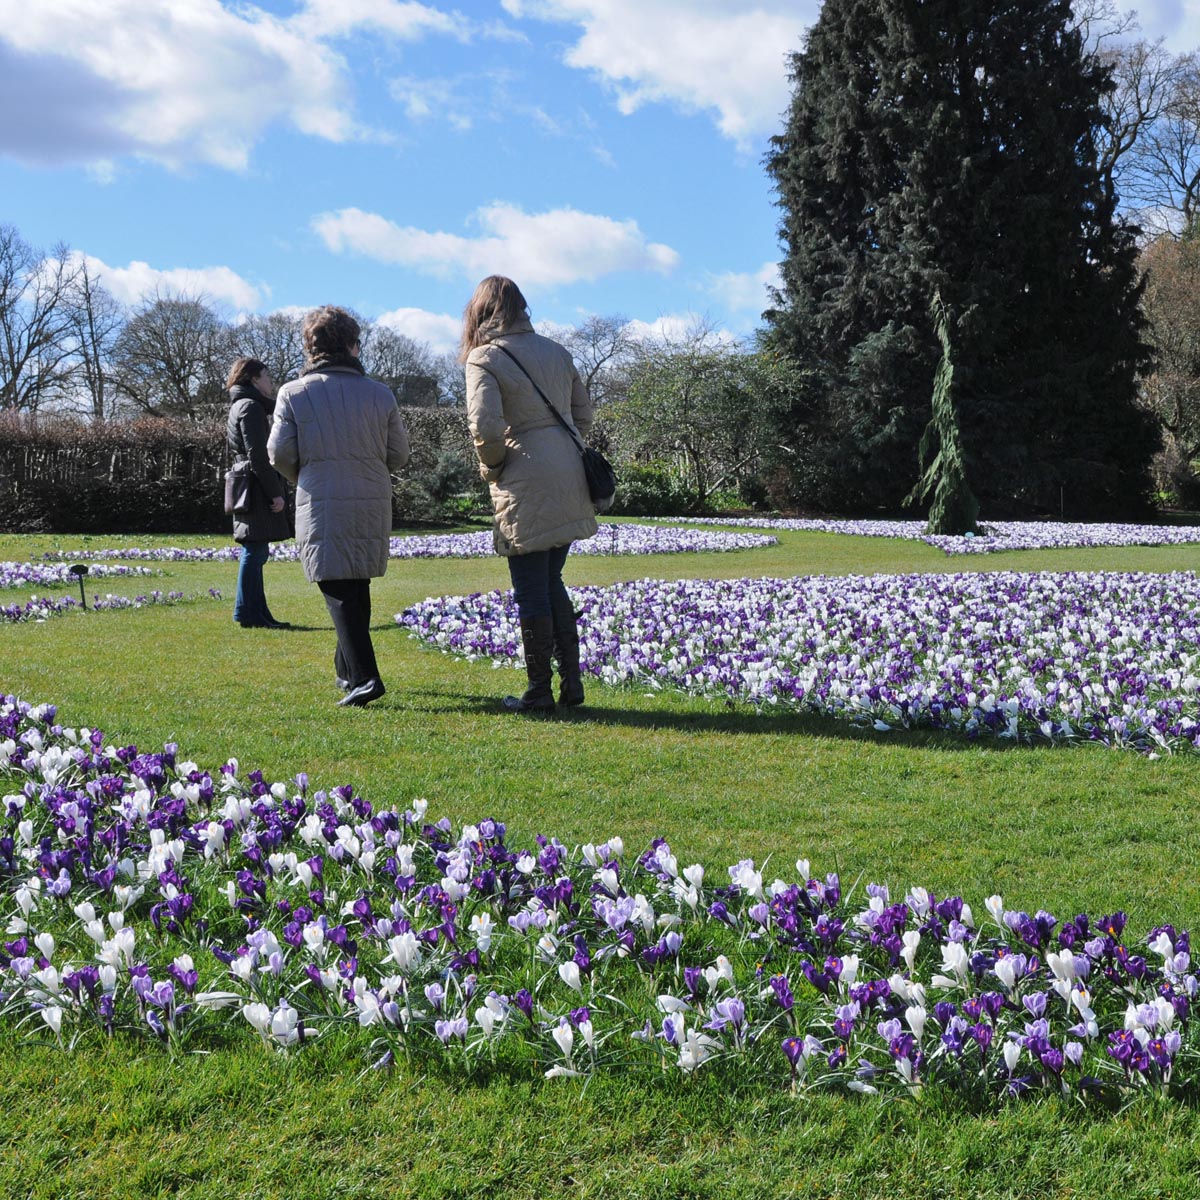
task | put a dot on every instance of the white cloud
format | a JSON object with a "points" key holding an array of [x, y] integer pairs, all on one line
{"points": [[677, 328], [440, 330], [423, 99], [399, 18], [742, 291], [185, 80], [536, 249], [133, 283], [1176, 21], [722, 56]]}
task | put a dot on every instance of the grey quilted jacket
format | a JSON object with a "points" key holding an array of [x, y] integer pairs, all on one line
{"points": [[338, 436], [539, 492]]}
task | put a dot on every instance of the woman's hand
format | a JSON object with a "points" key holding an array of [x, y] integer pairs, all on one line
{"points": [[277, 504]]}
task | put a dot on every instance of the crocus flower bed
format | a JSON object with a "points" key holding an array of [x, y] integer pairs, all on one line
{"points": [[42, 608], [611, 539], [22, 574], [995, 535], [1114, 658], [147, 899]]}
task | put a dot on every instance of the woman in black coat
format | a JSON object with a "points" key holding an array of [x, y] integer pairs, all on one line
{"points": [[264, 519]]}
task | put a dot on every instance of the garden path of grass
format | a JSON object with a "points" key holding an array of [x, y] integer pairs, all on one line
{"points": [[1070, 829]]}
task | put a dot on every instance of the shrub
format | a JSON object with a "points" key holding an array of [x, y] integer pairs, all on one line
{"points": [[650, 491]]}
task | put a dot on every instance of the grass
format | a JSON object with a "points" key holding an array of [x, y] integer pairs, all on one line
{"points": [[1067, 828]]}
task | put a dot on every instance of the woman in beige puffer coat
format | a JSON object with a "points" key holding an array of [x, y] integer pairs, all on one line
{"points": [[535, 473], [338, 436]]}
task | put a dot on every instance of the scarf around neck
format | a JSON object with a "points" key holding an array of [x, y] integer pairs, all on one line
{"points": [[346, 361]]}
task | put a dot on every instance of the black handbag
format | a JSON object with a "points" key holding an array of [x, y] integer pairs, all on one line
{"points": [[597, 470], [239, 479]]}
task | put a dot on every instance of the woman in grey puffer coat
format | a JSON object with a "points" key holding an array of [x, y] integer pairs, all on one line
{"points": [[265, 519], [339, 435], [533, 466]]}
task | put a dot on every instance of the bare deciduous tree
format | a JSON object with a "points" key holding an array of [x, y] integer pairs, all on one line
{"points": [[1146, 80], [34, 321], [277, 340], [1171, 270], [1168, 153], [452, 380], [404, 364], [603, 349], [170, 359], [95, 319]]}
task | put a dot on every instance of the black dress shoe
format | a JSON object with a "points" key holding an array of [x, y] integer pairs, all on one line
{"points": [[363, 694], [271, 623]]}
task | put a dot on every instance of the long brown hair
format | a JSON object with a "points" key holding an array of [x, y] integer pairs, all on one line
{"points": [[497, 300], [244, 372]]}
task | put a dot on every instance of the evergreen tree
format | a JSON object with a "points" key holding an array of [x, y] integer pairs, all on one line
{"points": [[954, 509], [947, 146]]}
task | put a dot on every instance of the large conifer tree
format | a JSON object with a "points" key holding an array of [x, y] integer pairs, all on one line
{"points": [[947, 146]]}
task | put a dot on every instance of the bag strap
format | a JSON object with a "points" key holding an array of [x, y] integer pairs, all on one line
{"points": [[557, 415]]}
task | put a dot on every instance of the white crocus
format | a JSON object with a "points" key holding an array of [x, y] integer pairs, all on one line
{"points": [[482, 928], [954, 961], [259, 1015], [564, 1037], [403, 950], [485, 1018], [1012, 1055], [916, 1017], [849, 973], [285, 1025]]}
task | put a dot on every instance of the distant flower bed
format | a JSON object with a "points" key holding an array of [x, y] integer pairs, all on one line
{"points": [[148, 899], [26, 574], [997, 535], [612, 539], [1109, 657], [42, 608]]}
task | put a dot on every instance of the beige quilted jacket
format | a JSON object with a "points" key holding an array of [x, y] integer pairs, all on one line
{"points": [[539, 493]]}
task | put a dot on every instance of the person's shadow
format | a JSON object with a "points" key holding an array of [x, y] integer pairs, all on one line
{"points": [[732, 718]]}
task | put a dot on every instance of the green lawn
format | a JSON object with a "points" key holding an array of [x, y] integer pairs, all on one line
{"points": [[1070, 829]]}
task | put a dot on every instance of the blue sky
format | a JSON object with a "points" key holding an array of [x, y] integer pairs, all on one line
{"points": [[386, 154]]}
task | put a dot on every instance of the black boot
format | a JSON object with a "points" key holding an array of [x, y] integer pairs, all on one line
{"points": [[537, 636], [566, 651]]}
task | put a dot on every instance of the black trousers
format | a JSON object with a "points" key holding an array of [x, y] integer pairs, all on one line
{"points": [[349, 604]]}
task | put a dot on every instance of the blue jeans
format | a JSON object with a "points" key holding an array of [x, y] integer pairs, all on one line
{"points": [[537, 581], [250, 605]]}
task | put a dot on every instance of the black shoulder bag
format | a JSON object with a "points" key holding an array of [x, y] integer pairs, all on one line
{"points": [[601, 478]]}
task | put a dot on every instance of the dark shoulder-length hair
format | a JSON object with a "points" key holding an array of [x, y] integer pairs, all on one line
{"points": [[329, 332], [244, 372], [496, 301]]}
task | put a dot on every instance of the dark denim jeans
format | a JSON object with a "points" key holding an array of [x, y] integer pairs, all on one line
{"points": [[250, 605], [537, 581]]}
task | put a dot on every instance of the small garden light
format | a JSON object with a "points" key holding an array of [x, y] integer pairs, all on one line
{"points": [[79, 570]]}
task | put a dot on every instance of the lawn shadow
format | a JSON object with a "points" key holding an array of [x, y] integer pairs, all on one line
{"points": [[735, 719]]}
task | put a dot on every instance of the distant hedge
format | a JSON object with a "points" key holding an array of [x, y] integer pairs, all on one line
{"points": [[157, 476]]}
